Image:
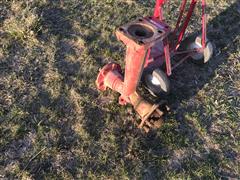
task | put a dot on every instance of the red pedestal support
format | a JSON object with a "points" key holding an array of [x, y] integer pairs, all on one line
{"points": [[138, 36]]}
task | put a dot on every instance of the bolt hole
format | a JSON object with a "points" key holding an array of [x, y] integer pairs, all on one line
{"points": [[160, 31], [121, 29], [140, 20]]}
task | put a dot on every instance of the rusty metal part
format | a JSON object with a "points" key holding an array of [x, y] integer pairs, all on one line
{"points": [[138, 36], [143, 32], [109, 73], [143, 39], [150, 114]]}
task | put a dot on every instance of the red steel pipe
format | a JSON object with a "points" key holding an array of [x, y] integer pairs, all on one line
{"points": [[182, 8], [135, 60], [204, 24], [158, 12], [186, 22]]}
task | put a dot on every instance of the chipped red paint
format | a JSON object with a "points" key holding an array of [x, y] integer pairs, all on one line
{"points": [[148, 45]]}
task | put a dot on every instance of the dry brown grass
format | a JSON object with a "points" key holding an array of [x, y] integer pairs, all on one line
{"points": [[54, 124]]}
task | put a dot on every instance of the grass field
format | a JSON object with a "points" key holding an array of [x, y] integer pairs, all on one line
{"points": [[54, 124]]}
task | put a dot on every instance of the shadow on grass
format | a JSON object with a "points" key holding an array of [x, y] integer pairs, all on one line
{"points": [[50, 118], [185, 86], [186, 82], [152, 156], [58, 24], [189, 78]]}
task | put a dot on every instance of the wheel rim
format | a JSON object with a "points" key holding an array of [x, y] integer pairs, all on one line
{"points": [[196, 55], [153, 80], [156, 82]]}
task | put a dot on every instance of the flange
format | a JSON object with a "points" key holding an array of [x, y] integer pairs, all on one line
{"points": [[100, 82]]}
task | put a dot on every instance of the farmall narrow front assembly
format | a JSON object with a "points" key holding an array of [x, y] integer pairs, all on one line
{"points": [[151, 47], [138, 36]]}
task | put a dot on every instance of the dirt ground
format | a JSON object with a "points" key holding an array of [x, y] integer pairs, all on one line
{"points": [[55, 124]]}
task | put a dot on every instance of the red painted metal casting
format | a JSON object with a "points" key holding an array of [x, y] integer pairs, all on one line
{"points": [[148, 45]]}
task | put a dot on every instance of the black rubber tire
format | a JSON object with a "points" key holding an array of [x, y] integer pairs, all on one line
{"points": [[162, 85]]}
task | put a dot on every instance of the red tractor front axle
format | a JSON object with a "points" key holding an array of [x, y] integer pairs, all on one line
{"points": [[139, 36], [148, 49]]}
